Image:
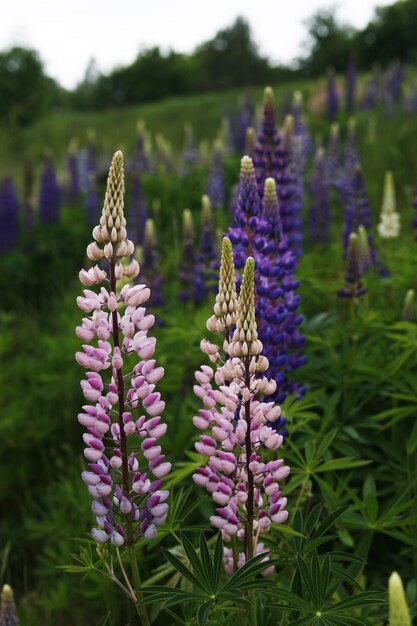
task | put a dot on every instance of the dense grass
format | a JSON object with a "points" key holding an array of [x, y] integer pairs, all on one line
{"points": [[361, 371]]}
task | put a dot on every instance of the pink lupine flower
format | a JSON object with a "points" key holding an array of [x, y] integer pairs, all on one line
{"points": [[123, 419], [237, 421]]}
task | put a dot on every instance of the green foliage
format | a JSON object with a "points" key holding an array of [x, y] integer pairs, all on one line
{"points": [[26, 92]]}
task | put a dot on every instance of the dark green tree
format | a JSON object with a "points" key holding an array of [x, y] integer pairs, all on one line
{"points": [[329, 43], [26, 92], [231, 59]]}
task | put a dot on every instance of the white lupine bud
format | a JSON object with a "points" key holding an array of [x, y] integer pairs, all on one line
{"points": [[398, 609]]}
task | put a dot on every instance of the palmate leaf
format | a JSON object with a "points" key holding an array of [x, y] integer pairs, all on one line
{"points": [[251, 568], [288, 599], [180, 567], [359, 600], [169, 596], [199, 570]]}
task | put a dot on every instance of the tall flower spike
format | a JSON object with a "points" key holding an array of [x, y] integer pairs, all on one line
{"points": [[126, 464], [8, 616], [225, 309], [319, 216], [365, 258], [245, 340], [389, 224], [244, 487], [187, 264], [409, 309], [353, 280], [398, 609], [112, 222]]}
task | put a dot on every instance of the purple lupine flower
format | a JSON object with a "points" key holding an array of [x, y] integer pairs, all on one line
{"points": [[8, 615], [186, 271], [372, 92], [206, 259], [353, 279], [300, 126], [333, 157], [49, 195], [356, 209], [332, 97], [189, 155], [258, 231], [244, 119], [9, 216], [148, 257], [244, 486], [124, 481], [319, 217], [92, 201], [138, 210], [271, 160], [291, 213], [215, 183], [350, 89]]}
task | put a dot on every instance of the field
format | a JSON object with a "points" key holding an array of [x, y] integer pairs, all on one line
{"points": [[352, 439]]}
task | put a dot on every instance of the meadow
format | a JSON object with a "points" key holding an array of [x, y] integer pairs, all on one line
{"points": [[350, 440]]}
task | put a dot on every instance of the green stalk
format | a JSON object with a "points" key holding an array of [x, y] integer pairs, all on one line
{"points": [[142, 612]]}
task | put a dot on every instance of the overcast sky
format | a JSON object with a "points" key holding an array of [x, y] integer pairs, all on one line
{"points": [[69, 33]]}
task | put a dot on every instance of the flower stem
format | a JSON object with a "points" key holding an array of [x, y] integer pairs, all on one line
{"points": [[249, 544], [142, 612]]}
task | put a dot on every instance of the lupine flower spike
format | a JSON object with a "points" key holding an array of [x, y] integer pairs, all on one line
{"points": [[9, 215], [389, 224], [186, 272], [148, 256], [398, 609], [122, 415], [237, 419], [354, 287], [409, 309], [8, 616], [365, 259], [49, 195], [319, 216]]}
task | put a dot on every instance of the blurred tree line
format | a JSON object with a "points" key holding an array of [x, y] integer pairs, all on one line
{"points": [[231, 59]]}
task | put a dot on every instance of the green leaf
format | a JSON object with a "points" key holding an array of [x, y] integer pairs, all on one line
{"points": [[203, 613], [169, 596], [325, 443], [180, 567], [330, 520], [218, 560], [412, 440], [312, 519], [250, 569], [291, 599], [207, 563], [198, 569], [306, 577], [359, 600], [346, 462]]}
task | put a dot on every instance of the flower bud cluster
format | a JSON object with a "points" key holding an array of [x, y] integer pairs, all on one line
{"points": [[237, 422], [122, 416]]}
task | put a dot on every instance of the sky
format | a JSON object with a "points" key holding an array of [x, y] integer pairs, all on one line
{"points": [[68, 34]]}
